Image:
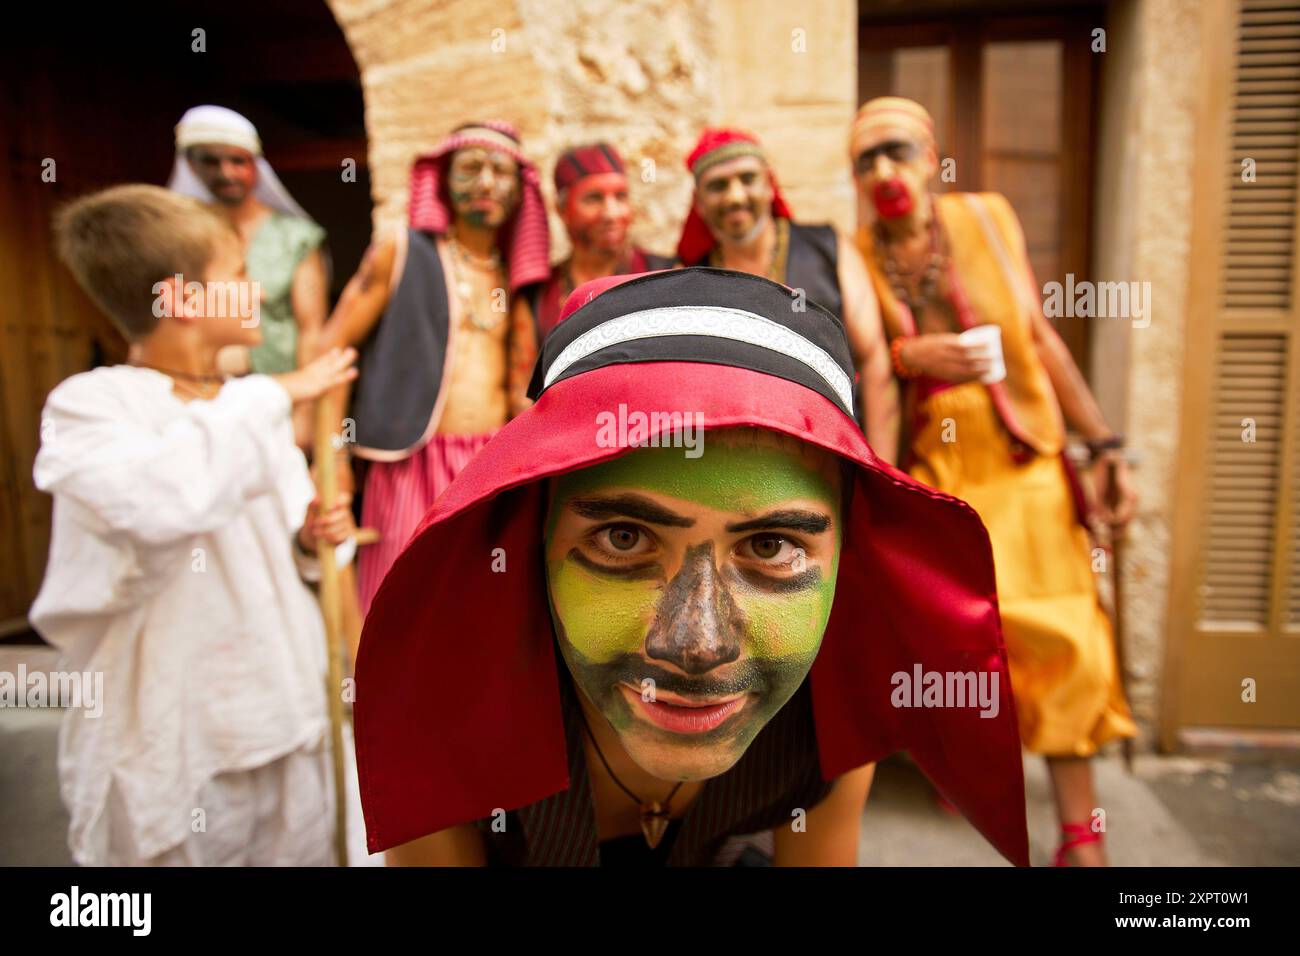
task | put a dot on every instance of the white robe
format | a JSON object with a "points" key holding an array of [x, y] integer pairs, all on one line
{"points": [[172, 572]]}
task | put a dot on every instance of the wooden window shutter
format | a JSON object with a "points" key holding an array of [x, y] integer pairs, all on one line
{"points": [[1234, 611], [1242, 545], [1293, 575], [1249, 388]]}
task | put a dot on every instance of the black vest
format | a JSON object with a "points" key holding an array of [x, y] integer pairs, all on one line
{"points": [[812, 264], [400, 371]]}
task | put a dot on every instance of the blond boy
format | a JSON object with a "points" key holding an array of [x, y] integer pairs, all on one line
{"points": [[184, 523]]}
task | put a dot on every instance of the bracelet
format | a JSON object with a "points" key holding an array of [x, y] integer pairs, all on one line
{"points": [[896, 359], [1099, 446]]}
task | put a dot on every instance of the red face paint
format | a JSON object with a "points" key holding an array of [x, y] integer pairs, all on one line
{"points": [[892, 198], [597, 212]]}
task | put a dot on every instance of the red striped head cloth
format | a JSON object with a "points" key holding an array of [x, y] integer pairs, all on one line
{"points": [[524, 239], [583, 161]]}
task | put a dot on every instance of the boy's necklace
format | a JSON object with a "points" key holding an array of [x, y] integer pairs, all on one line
{"points": [[182, 380]]}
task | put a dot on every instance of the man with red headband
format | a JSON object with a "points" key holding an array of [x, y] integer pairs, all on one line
{"points": [[447, 339], [985, 423], [679, 599], [739, 220], [591, 191]]}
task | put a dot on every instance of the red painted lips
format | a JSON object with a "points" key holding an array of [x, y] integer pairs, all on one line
{"points": [[683, 718]]}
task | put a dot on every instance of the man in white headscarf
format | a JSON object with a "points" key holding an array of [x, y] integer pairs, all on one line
{"points": [[219, 160]]}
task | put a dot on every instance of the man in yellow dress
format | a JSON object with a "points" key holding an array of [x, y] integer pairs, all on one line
{"points": [[989, 428]]}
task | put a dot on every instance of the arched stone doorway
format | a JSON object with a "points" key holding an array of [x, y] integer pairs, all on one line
{"points": [[95, 104]]}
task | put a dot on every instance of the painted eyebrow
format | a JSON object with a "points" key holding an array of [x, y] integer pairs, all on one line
{"points": [[810, 521], [629, 506]]}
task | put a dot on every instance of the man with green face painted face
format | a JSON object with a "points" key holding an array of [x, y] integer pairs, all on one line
{"points": [[690, 595], [613, 653]]}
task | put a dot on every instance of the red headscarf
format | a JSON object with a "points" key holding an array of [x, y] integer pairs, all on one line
{"points": [[583, 161], [524, 239], [717, 145], [458, 708]]}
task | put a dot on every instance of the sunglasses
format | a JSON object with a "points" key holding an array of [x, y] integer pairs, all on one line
{"points": [[898, 151]]}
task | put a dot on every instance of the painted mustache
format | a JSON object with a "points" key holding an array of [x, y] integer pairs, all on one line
{"points": [[633, 671]]}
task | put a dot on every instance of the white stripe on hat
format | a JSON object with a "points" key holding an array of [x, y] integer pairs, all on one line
{"points": [[719, 322]]}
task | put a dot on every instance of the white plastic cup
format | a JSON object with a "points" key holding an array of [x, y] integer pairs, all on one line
{"points": [[988, 339]]}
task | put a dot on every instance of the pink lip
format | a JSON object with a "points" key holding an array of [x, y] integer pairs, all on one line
{"points": [[682, 717]]}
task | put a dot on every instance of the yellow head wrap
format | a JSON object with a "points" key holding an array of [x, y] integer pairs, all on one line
{"points": [[888, 112]]}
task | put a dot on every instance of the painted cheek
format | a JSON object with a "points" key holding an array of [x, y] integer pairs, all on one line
{"points": [[603, 617], [790, 624], [583, 219], [787, 625]]}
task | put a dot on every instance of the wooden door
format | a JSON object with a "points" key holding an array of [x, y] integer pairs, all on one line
{"points": [[96, 106], [1234, 615], [1012, 100]]}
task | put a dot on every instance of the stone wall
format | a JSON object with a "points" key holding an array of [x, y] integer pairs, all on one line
{"points": [[646, 76], [1143, 216]]}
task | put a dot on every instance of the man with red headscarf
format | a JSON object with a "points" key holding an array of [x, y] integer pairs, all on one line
{"points": [[602, 648], [984, 422], [591, 191], [447, 339], [739, 220]]}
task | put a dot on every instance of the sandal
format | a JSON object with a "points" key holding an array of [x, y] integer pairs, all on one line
{"points": [[1074, 834]]}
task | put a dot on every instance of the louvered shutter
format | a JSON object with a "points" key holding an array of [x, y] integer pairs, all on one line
{"points": [[1234, 611]]}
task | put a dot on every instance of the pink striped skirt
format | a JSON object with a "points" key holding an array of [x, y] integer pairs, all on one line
{"points": [[397, 495]]}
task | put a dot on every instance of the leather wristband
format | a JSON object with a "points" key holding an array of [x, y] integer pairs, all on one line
{"points": [[1099, 446]]}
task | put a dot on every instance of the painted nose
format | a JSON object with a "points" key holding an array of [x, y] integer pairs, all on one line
{"points": [[697, 626]]}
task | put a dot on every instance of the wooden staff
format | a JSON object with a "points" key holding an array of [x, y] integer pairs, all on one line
{"points": [[332, 611], [1117, 600]]}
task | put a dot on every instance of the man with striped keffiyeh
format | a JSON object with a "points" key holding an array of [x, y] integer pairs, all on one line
{"points": [[445, 330]]}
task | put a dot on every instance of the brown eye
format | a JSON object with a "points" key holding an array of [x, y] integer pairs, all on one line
{"points": [[766, 546], [623, 537]]}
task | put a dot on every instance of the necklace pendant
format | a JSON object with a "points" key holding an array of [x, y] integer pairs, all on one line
{"points": [[654, 822]]}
